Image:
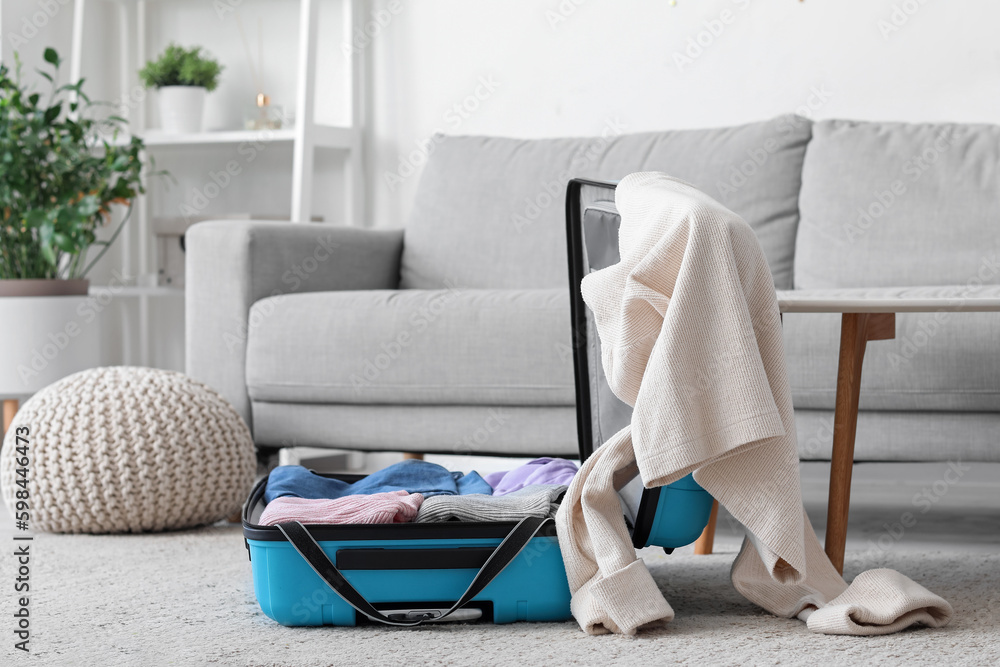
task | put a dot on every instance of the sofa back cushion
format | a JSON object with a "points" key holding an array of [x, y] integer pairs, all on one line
{"points": [[898, 205], [490, 212]]}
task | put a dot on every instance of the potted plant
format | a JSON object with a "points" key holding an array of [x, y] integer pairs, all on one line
{"points": [[63, 169], [182, 77]]}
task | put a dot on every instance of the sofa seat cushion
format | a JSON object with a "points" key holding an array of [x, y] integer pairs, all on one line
{"points": [[948, 360], [444, 347], [465, 430]]}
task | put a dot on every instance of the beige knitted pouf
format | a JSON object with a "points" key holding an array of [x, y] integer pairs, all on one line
{"points": [[121, 449]]}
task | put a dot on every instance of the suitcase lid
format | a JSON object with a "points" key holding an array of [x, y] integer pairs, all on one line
{"points": [[592, 238], [592, 223]]}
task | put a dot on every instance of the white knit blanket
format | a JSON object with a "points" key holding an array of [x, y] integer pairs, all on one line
{"points": [[691, 338]]}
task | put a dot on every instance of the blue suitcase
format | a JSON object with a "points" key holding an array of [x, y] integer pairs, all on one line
{"points": [[412, 574]]}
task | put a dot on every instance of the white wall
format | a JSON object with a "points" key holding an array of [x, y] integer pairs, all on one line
{"points": [[564, 67]]}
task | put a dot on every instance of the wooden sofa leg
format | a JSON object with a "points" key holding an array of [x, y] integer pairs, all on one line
{"points": [[10, 408], [703, 546], [417, 456]]}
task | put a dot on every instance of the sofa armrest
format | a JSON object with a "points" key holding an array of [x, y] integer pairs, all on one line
{"points": [[232, 264]]}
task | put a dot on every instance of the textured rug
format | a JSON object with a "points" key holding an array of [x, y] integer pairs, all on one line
{"points": [[186, 598]]}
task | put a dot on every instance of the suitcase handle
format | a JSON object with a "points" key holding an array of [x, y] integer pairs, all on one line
{"points": [[303, 542]]}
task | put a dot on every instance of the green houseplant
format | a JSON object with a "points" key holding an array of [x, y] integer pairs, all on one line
{"points": [[64, 168], [182, 77], [61, 173]]}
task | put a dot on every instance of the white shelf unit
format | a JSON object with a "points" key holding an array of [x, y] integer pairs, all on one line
{"points": [[133, 291], [305, 137]]}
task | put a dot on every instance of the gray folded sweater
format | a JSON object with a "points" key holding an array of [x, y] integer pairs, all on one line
{"points": [[538, 500]]}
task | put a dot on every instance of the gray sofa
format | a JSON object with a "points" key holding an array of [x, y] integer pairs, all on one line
{"points": [[453, 335]]}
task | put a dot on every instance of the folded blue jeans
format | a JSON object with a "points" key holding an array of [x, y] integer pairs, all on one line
{"points": [[413, 476]]}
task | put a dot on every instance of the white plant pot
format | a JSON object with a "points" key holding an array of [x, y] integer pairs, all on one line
{"points": [[44, 339], [181, 109]]}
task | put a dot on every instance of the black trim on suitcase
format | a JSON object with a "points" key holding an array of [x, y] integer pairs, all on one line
{"points": [[413, 559], [303, 542], [578, 309], [644, 518]]}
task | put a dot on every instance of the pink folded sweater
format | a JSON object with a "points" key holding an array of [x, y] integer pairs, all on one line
{"points": [[388, 507]]}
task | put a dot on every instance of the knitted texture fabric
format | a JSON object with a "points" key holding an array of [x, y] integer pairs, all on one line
{"points": [[121, 449], [388, 507], [691, 338], [538, 500]]}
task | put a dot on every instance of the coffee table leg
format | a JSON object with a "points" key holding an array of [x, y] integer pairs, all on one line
{"points": [[856, 329]]}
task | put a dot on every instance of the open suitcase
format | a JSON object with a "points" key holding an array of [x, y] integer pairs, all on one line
{"points": [[409, 574]]}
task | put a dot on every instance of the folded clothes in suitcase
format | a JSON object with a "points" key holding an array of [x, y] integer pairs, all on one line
{"points": [[415, 573]]}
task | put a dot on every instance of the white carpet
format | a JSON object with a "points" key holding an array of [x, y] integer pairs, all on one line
{"points": [[186, 598]]}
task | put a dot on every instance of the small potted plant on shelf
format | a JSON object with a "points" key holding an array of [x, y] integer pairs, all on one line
{"points": [[182, 78], [64, 168]]}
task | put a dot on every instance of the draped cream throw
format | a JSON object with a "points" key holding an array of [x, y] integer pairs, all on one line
{"points": [[691, 338]]}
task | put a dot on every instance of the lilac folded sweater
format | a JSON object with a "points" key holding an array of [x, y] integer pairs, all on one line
{"points": [[540, 471]]}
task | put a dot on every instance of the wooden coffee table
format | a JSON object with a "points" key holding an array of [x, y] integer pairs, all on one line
{"points": [[866, 315]]}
